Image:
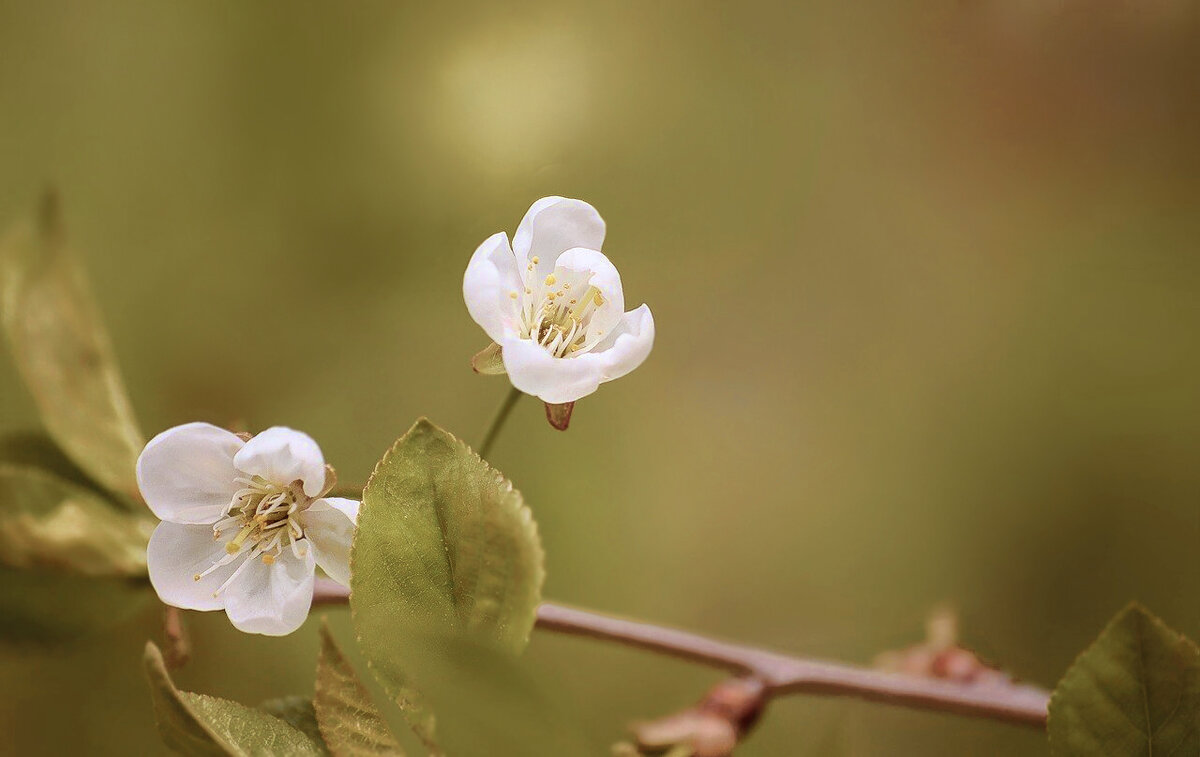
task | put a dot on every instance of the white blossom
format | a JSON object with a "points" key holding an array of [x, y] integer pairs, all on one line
{"points": [[244, 523], [554, 305]]}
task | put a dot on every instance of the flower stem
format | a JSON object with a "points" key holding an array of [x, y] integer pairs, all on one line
{"points": [[501, 416]]}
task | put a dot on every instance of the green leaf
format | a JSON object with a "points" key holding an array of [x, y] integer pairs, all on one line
{"points": [[195, 724], [1135, 691], [446, 579], [64, 354], [50, 524], [349, 721], [444, 540], [299, 713]]}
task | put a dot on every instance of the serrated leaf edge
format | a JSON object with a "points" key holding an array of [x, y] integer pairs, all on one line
{"points": [[1133, 607], [424, 425]]}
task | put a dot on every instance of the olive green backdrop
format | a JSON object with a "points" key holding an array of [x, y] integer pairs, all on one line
{"points": [[925, 277]]}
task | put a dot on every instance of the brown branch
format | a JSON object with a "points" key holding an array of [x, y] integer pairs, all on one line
{"points": [[177, 642], [783, 674], [326, 591]]}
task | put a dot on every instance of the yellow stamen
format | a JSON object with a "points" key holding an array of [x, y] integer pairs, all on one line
{"points": [[512, 295], [535, 260], [550, 280], [235, 544], [268, 559]]}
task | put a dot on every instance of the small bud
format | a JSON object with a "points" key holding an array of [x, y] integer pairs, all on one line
{"points": [[711, 728]]}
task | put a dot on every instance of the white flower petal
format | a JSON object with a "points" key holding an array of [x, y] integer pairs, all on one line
{"points": [[176, 554], [492, 277], [281, 456], [329, 526], [186, 474], [604, 277], [628, 346], [555, 380], [272, 599], [554, 225]]}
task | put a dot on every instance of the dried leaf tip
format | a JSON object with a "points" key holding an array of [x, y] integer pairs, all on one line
{"points": [[559, 416]]}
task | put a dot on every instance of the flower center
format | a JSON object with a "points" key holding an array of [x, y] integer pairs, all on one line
{"points": [[557, 311], [260, 519]]}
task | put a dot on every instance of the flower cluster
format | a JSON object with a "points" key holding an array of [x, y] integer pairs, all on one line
{"points": [[246, 522]]}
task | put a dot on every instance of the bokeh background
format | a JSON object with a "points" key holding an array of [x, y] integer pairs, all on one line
{"points": [[925, 276]]}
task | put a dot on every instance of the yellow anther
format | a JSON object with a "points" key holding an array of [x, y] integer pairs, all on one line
{"points": [[512, 295], [195, 576], [528, 290], [566, 285], [599, 298], [550, 280], [574, 301], [268, 559], [552, 295], [535, 260]]}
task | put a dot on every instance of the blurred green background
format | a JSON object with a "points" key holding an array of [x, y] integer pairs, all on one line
{"points": [[925, 277]]}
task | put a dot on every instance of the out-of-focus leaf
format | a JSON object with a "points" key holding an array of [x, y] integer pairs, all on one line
{"points": [[349, 721], [64, 354], [40, 608], [36, 449], [196, 724], [299, 713], [1135, 691], [446, 579], [48, 523], [70, 563]]}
